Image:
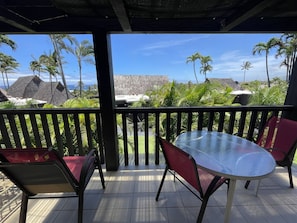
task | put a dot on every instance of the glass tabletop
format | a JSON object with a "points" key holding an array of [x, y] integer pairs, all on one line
{"points": [[227, 155]]}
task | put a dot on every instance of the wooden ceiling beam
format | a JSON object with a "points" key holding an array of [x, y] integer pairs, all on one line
{"points": [[120, 11], [241, 17]]}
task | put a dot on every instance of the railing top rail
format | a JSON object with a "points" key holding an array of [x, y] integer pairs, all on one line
{"points": [[207, 108], [149, 109]]}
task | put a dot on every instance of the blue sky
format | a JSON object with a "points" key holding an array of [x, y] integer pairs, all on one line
{"points": [[159, 54]]}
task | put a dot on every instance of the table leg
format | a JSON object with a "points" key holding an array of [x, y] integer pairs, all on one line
{"points": [[232, 185]]}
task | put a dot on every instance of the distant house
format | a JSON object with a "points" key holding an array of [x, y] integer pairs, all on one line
{"points": [[137, 84], [35, 88]]}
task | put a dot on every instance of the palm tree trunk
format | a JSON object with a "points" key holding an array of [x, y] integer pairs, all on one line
{"points": [[4, 84], [7, 80], [60, 65], [194, 67], [267, 73]]}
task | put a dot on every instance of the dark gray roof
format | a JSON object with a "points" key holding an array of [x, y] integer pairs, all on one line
{"points": [[226, 82], [33, 87], [54, 93], [137, 84], [81, 16], [25, 87]]}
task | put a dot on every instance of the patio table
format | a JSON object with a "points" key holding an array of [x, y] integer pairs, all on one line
{"points": [[227, 155]]}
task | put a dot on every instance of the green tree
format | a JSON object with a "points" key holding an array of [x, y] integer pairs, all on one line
{"points": [[288, 50], [7, 65], [205, 65], [82, 52], [50, 65], [193, 59], [59, 44], [36, 66], [4, 39], [265, 47], [245, 66]]}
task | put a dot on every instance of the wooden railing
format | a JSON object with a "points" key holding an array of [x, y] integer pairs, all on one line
{"points": [[169, 122], [70, 131], [75, 131]]}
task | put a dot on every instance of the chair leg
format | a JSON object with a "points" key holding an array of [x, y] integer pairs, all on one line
{"points": [[290, 176], [161, 184], [202, 210], [100, 169], [247, 183], [80, 207], [24, 207], [101, 175]]}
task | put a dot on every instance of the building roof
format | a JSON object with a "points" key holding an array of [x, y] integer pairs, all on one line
{"points": [[226, 82], [25, 87], [220, 16], [137, 84], [35, 88]]}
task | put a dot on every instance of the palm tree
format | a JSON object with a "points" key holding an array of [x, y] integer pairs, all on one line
{"points": [[288, 49], [50, 65], [7, 65], [82, 52], [59, 45], [245, 66], [36, 66], [6, 40], [205, 65], [192, 59], [260, 47]]}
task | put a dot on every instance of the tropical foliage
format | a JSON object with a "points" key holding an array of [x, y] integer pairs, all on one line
{"points": [[7, 63]]}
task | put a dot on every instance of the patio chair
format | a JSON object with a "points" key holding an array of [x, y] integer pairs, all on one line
{"points": [[192, 177], [43, 171], [279, 137]]}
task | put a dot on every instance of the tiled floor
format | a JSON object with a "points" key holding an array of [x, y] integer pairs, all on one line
{"points": [[130, 197]]}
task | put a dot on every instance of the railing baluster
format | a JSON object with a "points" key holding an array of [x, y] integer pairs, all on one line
{"points": [[35, 129], [253, 120], [189, 122], [14, 130], [99, 137], [200, 120], [125, 138], [135, 136], [157, 129], [4, 133], [221, 121], [231, 122], [167, 130], [210, 121], [241, 123], [25, 131], [46, 131], [178, 125], [146, 138], [69, 141], [58, 134]]}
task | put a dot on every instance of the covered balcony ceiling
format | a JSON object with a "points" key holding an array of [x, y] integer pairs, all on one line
{"points": [[196, 16]]}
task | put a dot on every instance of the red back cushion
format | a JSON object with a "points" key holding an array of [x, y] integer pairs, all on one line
{"points": [[29, 155]]}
